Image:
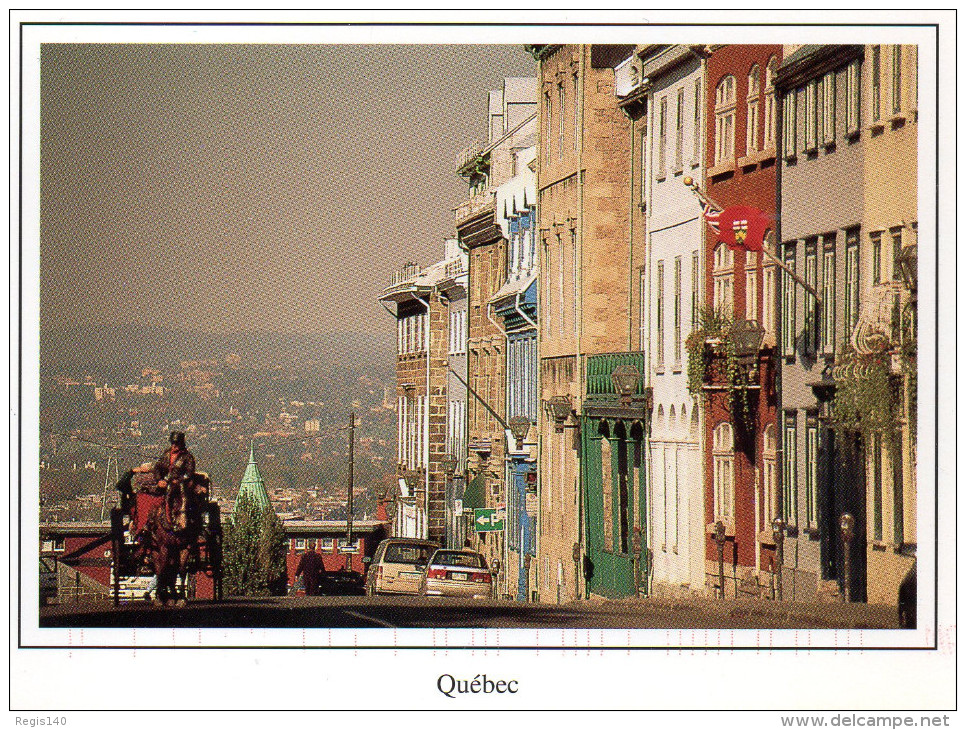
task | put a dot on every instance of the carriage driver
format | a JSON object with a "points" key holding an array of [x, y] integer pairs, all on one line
{"points": [[177, 464]]}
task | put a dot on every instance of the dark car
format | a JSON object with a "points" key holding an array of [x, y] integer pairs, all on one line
{"points": [[907, 600], [342, 582]]}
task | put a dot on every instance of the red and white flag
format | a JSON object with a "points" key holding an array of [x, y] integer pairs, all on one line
{"points": [[711, 215]]}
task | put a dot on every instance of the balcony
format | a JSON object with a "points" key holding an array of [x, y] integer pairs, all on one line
{"points": [[480, 203], [407, 274], [600, 386]]}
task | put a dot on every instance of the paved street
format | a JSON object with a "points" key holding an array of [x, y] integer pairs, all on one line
{"points": [[406, 612]]}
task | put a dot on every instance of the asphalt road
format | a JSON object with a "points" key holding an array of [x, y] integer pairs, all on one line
{"points": [[419, 612]]}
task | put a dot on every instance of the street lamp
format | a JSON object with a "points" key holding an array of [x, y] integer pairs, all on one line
{"points": [[560, 408], [747, 335], [847, 525], [625, 379], [519, 427], [778, 533]]}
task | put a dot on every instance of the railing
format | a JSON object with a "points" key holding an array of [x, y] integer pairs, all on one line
{"points": [[475, 204], [455, 268], [467, 155], [408, 273], [599, 369]]}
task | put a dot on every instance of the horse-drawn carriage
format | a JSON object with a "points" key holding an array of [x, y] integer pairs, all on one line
{"points": [[173, 532]]}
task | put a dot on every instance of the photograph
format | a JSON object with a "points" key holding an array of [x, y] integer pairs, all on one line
{"points": [[535, 367]]}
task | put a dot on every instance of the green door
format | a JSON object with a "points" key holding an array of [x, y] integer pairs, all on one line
{"points": [[610, 514]]}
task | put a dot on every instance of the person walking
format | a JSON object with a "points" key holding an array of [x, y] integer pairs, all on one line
{"points": [[312, 569]]}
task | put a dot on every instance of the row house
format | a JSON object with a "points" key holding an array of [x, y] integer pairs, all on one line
{"points": [[592, 484], [739, 429], [511, 129], [428, 410]]}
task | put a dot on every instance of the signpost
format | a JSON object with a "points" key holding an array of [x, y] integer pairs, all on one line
{"points": [[489, 519]]}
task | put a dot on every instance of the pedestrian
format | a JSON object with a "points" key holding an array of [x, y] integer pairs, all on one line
{"points": [[312, 570]]}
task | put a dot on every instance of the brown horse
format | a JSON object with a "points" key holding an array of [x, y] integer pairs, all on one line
{"points": [[172, 530]]}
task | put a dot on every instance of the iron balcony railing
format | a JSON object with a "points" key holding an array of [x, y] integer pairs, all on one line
{"points": [[600, 387]]}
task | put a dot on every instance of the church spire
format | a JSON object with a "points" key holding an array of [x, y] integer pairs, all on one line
{"points": [[252, 483]]}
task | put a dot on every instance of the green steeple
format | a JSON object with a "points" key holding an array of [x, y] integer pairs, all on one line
{"points": [[252, 483]]}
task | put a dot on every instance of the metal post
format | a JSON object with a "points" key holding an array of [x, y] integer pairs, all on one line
{"points": [[349, 506], [778, 532], [847, 524], [719, 538]]}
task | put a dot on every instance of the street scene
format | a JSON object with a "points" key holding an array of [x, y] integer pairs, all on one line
{"points": [[568, 336]]}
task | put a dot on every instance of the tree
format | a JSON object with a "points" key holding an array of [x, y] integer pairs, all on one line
{"points": [[254, 553]]}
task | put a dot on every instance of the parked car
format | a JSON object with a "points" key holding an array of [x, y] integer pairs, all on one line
{"points": [[907, 600], [48, 580], [461, 573], [398, 565], [341, 582]]}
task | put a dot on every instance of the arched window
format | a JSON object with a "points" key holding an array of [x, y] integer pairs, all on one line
{"points": [[770, 119], [752, 138], [724, 271], [724, 115], [724, 473]]}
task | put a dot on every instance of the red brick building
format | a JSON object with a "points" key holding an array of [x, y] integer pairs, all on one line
{"points": [[740, 459], [329, 538]]}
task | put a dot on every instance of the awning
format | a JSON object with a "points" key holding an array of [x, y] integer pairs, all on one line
{"points": [[475, 495]]}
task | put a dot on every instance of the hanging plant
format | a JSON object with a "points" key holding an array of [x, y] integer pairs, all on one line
{"points": [[712, 340], [866, 397]]}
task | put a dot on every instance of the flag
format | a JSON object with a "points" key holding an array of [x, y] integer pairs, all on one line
{"points": [[742, 227], [711, 215]]}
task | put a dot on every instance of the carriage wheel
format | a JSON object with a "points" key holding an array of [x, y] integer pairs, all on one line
{"points": [[117, 544]]}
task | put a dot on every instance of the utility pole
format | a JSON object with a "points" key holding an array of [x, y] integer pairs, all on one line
{"points": [[352, 438]]}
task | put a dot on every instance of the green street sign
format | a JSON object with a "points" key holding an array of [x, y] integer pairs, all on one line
{"points": [[489, 520]]}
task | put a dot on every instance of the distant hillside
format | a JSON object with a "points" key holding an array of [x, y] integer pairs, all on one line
{"points": [[124, 350]]}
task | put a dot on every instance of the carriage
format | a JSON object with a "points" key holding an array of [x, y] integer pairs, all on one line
{"points": [[132, 521]]}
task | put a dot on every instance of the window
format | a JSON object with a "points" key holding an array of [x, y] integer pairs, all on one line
{"points": [[576, 109], [695, 288], [896, 79], [877, 487], [788, 302], [457, 331], [751, 285], [560, 285], [662, 141], [751, 127], [346, 547], [560, 120], [677, 312], [679, 132], [828, 109], [659, 314], [828, 295], [811, 116], [914, 78], [851, 281], [724, 120], [696, 140], [852, 115], [724, 472], [896, 252], [769, 477], [789, 112], [769, 277], [770, 120], [811, 472], [327, 544], [644, 161], [300, 543], [790, 469], [876, 257], [723, 273], [548, 113], [876, 100], [811, 304]]}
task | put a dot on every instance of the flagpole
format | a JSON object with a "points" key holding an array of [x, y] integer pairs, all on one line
{"points": [[693, 185]]}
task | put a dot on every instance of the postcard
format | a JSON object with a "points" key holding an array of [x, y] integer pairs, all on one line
{"points": [[394, 361]]}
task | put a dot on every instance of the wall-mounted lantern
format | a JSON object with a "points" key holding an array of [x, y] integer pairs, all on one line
{"points": [[625, 379], [560, 408], [519, 427]]}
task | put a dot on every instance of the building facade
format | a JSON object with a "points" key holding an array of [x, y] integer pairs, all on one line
{"points": [[511, 124], [821, 145], [740, 458]]}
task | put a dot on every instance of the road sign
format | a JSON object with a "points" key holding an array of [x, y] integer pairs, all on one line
{"points": [[489, 520]]}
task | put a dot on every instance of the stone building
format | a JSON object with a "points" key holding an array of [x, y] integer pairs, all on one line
{"points": [[740, 432], [589, 515], [821, 146], [510, 124]]}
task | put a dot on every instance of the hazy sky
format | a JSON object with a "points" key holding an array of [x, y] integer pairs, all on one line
{"points": [[261, 187]]}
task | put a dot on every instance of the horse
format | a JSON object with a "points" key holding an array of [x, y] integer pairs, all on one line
{"points": [[172, 531]]}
